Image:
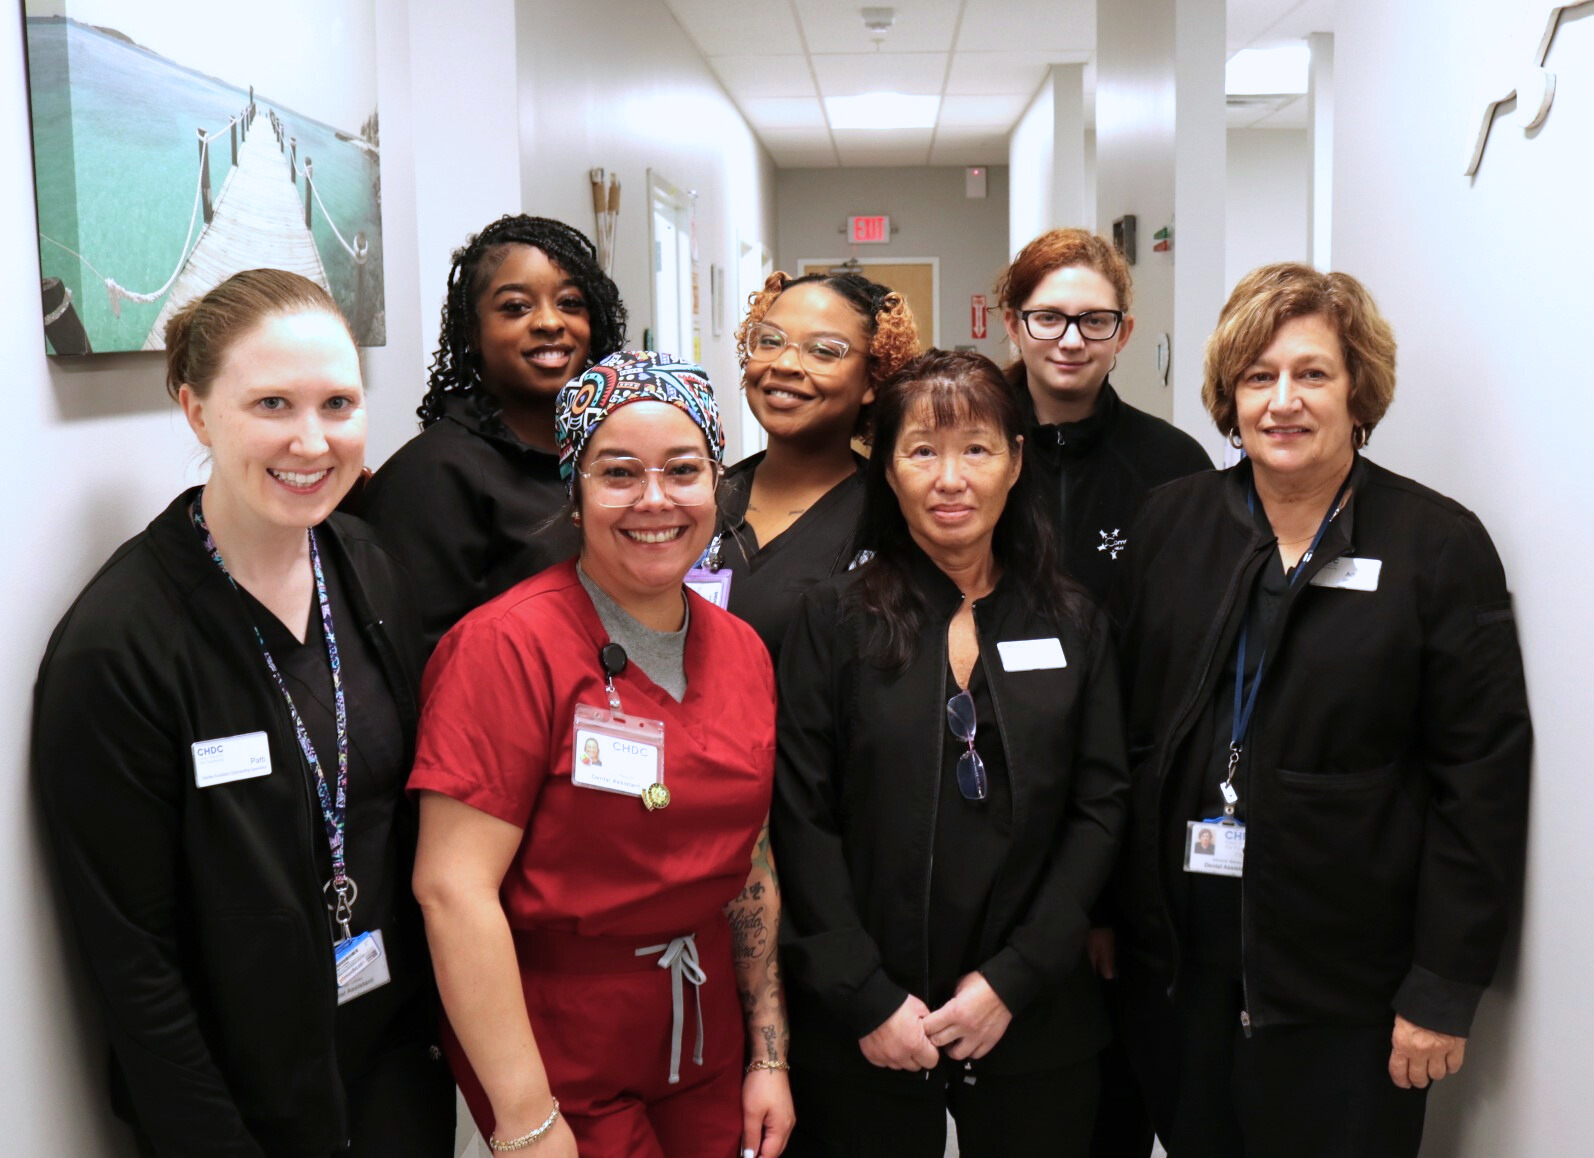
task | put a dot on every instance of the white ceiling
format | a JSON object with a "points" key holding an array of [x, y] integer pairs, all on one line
{"points": [[985, 59]]}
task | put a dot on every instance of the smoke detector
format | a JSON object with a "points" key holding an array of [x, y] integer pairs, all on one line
{"points": [[878, 22]]}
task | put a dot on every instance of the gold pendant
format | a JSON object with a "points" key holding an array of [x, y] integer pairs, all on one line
{"points": [[656, 796]]}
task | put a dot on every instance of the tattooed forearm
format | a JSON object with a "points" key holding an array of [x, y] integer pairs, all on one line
{"points": [[754, 918]]}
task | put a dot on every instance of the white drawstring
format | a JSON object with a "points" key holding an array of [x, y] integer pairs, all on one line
{"points": [[680, 958]]}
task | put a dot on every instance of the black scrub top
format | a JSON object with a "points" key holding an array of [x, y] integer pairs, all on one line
{"points": [[469, 510], [768, 580], [971, 843], [374, 833]]}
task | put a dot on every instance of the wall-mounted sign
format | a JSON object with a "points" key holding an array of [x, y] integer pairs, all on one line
{"points": [[869, 230], [977, 311]]}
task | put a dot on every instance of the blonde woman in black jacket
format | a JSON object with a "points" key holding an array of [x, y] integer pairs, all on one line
{"points": [[1321, 667], [949, 789], [223, 723]]}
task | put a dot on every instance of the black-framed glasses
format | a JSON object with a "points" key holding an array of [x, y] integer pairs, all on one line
{"points": [[765, 343], [1050, 325], [972, 781]]}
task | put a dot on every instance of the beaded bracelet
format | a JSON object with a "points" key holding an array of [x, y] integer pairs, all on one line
{"points": [[525, 1140], [761, 1064]]}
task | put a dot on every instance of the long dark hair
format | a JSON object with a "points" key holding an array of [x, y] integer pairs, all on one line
{"points": [[457, 364], [957, 387]]}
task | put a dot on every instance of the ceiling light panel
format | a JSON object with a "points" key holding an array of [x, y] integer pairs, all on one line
{"points": [[882, 111], [1257, 71], [982, 112], [784, 113]]}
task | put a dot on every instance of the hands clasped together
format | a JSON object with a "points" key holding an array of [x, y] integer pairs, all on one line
{"points": [[967, 1026]]}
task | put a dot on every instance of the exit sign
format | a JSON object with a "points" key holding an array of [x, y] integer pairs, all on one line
{"points": [[869, 230]]}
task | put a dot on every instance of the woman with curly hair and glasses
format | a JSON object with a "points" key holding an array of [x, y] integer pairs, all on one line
{"points": [[813, 351], [466, 504]]}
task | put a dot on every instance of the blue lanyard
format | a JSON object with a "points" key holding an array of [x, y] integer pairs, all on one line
{"points": [[334, 802], [1245, 702]]}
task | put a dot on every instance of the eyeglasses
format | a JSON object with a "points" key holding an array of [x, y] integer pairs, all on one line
{"points": [[765, 343], [687, 481], [972, 781], [1050, 325]]}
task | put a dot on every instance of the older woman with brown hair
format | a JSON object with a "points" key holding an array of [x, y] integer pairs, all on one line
{"points": [[1321, 665]]}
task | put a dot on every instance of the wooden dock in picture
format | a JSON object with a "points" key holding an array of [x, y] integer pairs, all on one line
{"points": [[258, 222]]}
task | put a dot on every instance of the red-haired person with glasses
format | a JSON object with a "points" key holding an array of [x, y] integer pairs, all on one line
{"points": [[949, 789]]}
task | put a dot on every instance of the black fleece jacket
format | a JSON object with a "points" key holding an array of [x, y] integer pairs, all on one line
{"points": [[1097, 472], [1387, 761], [853, 823], [201, 909]]}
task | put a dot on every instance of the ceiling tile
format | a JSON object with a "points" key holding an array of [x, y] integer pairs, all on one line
{"points": [[799, 148], [728, 27], [911, 73], [999, 111], [784, 113], [919, 26], [1290, 116], [874, 149], [1039, 25], [984, 73], [1267, 23], [754, 77], [961, 153]]}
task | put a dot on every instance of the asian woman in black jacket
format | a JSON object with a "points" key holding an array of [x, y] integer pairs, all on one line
{"points": [[950, 783], [223, 724]]}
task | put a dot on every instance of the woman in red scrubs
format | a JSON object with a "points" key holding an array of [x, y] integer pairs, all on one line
{"points": [[604, 933]]}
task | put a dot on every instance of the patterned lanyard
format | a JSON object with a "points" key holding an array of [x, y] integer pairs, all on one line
{"points": [[334, 804]]}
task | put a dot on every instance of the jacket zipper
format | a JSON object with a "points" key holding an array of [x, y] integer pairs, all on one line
{"points": [[1177, 734], [935, 812]]}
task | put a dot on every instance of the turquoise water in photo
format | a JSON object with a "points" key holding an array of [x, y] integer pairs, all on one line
{"points": [[117, 163]]}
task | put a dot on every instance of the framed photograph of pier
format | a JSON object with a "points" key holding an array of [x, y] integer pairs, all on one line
{"points": [[177, 143]]}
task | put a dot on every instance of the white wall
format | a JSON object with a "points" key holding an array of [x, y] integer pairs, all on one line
{"points": [[1269, 183], [930, 217], [97, 450], [1052, 177], [1486, 284], [616, 84]]}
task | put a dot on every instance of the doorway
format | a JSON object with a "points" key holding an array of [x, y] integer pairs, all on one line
{"points": [[670, 240], [918, 279]]}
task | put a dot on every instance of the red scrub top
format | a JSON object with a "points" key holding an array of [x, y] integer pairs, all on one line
{"points": [[497, 730]]}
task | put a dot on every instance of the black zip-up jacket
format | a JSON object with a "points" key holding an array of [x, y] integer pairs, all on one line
{"points": [[1098, 471], [853, 823], [201, 909], [1387, 762], [465, 507]]}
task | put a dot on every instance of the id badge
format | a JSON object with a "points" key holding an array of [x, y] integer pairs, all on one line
{"points": [[361, 964], [614, 752], [715, 586], [1214, 847]]}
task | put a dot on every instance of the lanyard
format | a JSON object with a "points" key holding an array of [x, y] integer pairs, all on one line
{"points": [[1245, 702], [334, 802]]}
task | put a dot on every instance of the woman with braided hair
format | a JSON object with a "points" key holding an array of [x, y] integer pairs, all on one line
{"points": [[813, 350], [466, 505]]}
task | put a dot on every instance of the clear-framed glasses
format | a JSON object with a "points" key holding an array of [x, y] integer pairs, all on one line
{"points": [[1050, 325], [687, 480], [765, 343], [972, 781]]}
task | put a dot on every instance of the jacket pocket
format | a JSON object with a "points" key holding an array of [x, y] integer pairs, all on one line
{"points": [[1336, 858]]}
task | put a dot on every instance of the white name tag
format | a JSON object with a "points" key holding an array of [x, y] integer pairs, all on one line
{"points": [[616, 753], [1214, 848], [1031, 654], [361, 964], [229, 758], [1349, 573]]}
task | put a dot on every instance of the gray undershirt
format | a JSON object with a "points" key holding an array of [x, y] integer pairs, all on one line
{"points": [[660, 654]]}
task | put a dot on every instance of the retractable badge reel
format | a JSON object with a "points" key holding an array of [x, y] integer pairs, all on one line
{"points": [[614, 752], [709, 578]]}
